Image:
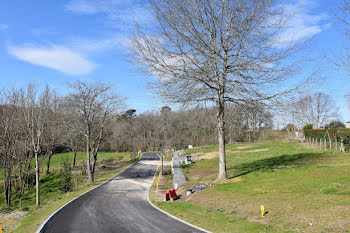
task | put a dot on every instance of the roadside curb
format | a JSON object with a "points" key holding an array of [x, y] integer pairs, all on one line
{"points": [[170, 215], [43, 226]]}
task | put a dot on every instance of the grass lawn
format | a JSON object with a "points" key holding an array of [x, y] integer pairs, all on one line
{"points": [[57, 159], [303, 190], [52, 198]]}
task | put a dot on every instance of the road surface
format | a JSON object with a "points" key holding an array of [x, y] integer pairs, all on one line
{"points": [[119, 205]]}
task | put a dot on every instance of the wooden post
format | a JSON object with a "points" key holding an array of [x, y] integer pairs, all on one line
{"points": [[319, 144], [159, 176], [76, 181]]}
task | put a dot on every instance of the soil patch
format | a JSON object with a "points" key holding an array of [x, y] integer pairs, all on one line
{"points": [[202, 174]]}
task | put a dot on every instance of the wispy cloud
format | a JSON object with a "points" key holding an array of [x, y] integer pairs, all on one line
{"points": [[55, 57], [119, 14], [302, 23], [93, 7], [87, 45]]}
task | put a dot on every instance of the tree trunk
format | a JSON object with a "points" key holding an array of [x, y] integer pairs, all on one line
{"points": [[74, 158], [88, 160], [21, 184], [37, 179], [9, 187], [93, 167], [48, 163], [5, 186], [221, 138]]}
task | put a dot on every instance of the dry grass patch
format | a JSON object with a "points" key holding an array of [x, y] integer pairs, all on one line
{"points": [[215, 154]]}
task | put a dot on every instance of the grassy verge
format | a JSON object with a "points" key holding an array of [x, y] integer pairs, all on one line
{"points": [[303, 190], [164, 182], [52, 198]]}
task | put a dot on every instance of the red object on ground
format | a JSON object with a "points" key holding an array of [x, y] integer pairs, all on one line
{"points": [[170, 194]]}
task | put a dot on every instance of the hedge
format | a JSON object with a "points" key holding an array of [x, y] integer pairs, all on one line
{"points": [[334, 134]]}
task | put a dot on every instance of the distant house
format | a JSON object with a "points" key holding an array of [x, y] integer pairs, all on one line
{"points": [[348, 124]]}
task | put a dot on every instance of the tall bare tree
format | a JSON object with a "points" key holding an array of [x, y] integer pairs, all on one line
{"points": [[216, 51], [10, 138], [343, 16], [94, 105], [36, 109], [316, 109]]}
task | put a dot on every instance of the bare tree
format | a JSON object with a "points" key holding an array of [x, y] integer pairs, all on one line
{"points": [[74, 137], [94, 105], [316, 109], [10, 138], [55, 133], [343, 16], [36, 109], [216, 51], [130, 115], [165, 115]]}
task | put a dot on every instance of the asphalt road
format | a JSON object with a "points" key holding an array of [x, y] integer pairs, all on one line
{"points": [[120, 205]]}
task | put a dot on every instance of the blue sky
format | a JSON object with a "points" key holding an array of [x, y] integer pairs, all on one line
{"points": [[55, 42]]}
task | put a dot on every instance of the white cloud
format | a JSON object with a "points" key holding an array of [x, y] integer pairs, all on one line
{"points": [[120, 14], [55, 57], [98, 6], [86, 45], [302, 23]]}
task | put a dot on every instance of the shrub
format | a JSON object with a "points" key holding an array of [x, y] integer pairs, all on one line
{"points": [[65, 184], [306, 127], [289, 127], [335, 125]]}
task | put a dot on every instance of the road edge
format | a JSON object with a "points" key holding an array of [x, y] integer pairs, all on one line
{"points": [[43, 226], [168, 214]]}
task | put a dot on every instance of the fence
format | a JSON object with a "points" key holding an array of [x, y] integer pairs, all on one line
{"points": [[332, 139]]}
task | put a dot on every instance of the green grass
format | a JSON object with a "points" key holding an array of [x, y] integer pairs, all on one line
{"points": [[52, 198], [214, 220], [57, 159], [297, 185]]}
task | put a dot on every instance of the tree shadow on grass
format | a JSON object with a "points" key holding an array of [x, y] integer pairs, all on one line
{"points": [[274, 162]]}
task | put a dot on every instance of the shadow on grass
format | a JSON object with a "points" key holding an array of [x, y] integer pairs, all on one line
{"points": [[275, 162]]}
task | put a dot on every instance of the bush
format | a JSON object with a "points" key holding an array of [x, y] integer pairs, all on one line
{"points": [[335, 125], [306, 127], [289, 128], [65, 184]]}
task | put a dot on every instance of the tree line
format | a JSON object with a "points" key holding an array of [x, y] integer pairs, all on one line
{"points": [[177, 129], [35, 125]]}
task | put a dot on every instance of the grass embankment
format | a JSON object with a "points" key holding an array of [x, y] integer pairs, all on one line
{"points": [[52, 198], [303, 190]]}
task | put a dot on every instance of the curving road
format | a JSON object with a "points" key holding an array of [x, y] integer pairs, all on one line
{"points": [[120, 205]]}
